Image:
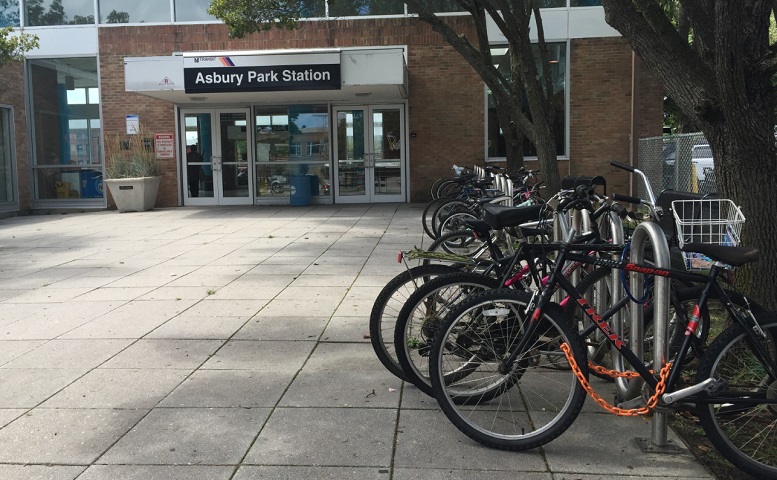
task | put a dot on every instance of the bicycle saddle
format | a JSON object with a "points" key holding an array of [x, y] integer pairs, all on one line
{"points": [[500, 216]]}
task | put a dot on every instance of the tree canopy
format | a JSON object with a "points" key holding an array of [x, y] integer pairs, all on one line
{"points": [[13, 47]]}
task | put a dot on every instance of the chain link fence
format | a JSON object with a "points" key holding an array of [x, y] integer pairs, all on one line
{"points": [[680, 162]]}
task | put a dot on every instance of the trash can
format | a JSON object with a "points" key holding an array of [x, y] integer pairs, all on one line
{"points": [[300, 190]]}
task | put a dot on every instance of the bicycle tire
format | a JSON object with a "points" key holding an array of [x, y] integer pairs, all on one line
{"points": [[449, 189], [435, 186], [533, 403], [462, 243], [426, 216], [745, 435], [711, 321], [455, 223], [445, 210], [423, 311], [387, 306]]}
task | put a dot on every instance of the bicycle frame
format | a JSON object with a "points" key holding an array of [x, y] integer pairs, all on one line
{"points": [[558, 280]]}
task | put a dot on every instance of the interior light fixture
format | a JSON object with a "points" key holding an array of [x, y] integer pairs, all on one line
{"points": [[554, 54], [70, 81]]}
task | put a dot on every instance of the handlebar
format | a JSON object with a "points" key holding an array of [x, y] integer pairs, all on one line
{"points": [[625, 198], [653, 204], [623, 166]]}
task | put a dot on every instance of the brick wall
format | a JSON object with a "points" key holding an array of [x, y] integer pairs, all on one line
{"points": [[446, 97], [600, 108], [12, 93]]}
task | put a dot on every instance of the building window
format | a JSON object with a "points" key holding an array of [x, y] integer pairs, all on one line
{"points": [[316, 149], [553, 3], [137, 11], [585, 3], [295, 149], [281, 131], [9, 13], [58, 12], [558, 67], [440, 6], [7, 161], [368, 7], [193, 11], [66, 129]]}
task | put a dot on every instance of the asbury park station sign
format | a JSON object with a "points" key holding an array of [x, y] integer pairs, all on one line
{"points": [[261, 73]]}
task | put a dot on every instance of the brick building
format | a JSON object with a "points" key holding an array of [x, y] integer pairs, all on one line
{"points": [[361, 108]]}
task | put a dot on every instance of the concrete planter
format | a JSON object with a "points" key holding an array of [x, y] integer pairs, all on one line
{"points": [[134, 194]]}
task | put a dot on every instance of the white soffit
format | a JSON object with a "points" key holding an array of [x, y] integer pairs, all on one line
{"points": [[560, 24], [73, 41], [150, 74], [385, 66], [377, 74]]}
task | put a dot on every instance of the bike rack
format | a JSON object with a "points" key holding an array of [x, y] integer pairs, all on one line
{"points": [[658, 442]]}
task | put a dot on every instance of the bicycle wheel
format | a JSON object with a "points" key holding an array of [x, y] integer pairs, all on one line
{"points": [[445, 210], [461, 243], [743, 427], [387, 306], [525, 407], [713, 320], [449, 189], [426, 216], [455, 222], [421, 315], [435, 186]]}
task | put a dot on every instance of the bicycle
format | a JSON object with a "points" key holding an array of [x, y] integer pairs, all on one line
{"points": [[599, 290], [418, 319], [510, 336], [486, 258]]}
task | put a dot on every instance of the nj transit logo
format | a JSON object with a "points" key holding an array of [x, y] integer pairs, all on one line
{"points": [[226, 61]]}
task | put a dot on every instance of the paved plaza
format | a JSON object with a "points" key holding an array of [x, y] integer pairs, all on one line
{"points": [[232, 343]]}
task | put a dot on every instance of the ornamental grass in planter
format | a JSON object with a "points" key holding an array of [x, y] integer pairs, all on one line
{"points": [[132, 171]]}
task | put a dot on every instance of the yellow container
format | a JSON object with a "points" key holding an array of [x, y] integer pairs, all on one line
{"points": [[63, 189]]}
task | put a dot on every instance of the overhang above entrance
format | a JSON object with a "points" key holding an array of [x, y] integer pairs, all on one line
{"points": [[277, 76]]}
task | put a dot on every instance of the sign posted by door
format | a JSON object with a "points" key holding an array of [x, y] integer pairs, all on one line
{"points": [[164, 145]]}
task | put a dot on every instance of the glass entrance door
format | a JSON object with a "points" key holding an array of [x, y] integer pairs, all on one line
{"points": [[217, 157], [369, 154]]}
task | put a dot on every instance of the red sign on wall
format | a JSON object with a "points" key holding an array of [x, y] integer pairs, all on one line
{"points": [[164, 145]]}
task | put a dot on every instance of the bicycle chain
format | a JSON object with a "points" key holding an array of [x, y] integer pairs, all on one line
{"points": [[652, 401]]}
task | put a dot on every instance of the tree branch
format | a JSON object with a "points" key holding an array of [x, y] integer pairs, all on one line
{"points": [[654, 38]]}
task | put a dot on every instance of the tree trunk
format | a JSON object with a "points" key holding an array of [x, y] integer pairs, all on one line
{"points": [[723, 82], [513, 146], [548, 160], [747, 176]]}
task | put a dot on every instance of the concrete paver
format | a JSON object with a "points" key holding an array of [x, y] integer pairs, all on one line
{"points": [[228, 343]]}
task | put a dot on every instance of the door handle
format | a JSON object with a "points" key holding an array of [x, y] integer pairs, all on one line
{"points": [[215, 163]]}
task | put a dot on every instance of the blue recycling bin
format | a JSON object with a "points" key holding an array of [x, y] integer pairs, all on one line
{"points": [[300, 190]]}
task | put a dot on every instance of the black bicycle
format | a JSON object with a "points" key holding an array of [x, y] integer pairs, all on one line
{"points": [[527, 370]]}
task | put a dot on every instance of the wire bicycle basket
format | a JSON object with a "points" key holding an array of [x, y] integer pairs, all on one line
{"points": [[715, 221]]}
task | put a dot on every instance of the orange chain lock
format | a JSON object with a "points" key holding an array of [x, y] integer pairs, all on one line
{"points": [[652, 401]]}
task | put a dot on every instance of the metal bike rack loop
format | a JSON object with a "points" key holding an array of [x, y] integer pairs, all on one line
{"points": [[644, 232]]}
